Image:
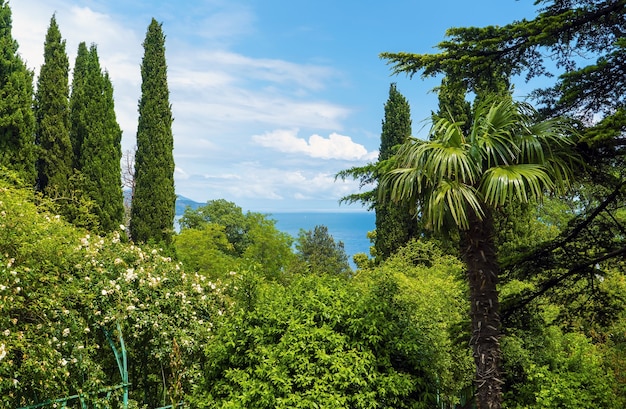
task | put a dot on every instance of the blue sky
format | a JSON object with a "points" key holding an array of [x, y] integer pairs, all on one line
{"points": [[271, 98]]}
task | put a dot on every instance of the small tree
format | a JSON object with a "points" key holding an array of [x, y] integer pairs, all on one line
{"points": [[154, 199], [320, 253]]}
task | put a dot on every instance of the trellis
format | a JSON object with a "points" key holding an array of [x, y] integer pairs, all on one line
{"points": [[84, 398]]}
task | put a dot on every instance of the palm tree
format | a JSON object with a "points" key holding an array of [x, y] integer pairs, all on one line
{"points": [[458, 179]]}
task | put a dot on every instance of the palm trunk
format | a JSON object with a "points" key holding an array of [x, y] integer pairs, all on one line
{"points": [[479, 253]]}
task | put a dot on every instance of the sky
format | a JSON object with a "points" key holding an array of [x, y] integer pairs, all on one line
{"points": [[270, 98]]}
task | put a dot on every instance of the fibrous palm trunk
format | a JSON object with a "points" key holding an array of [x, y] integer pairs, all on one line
{"points": [[478, 250]]}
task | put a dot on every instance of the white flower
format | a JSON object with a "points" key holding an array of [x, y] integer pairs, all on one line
{"points": [[63, 362], [130, 275], [66, 332], [130, 308], [7, 332], [104, 292], [3, 351], [122, 227]]}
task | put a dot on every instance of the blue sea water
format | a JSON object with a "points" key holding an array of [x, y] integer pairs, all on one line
{"points": [[349, 227]]}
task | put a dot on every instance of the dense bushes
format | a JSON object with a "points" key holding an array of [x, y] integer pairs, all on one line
{"points": [[388, 336]]}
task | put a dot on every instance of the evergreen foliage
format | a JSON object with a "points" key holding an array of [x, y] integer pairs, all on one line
{"points": [[54, 165], [395, 223], [153, 203], [78, 103], [99, 137], [17, 121]]}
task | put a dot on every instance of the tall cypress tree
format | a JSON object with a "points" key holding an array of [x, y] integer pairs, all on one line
{"points": [[96, 138], [153, 204], [395, 225], [17, 121], [54, 164], [78, 103]]}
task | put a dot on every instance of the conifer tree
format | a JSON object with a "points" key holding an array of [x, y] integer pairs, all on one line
{"points": [[78, 103], [17, 121], [55, 155], [97, 139], [153, 204], [395, 224]]}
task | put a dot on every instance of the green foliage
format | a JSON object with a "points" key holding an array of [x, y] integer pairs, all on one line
{"points": [[269, 249], [96, 138], [553, 369], [60, 287], [154, 198], [224, 213], [218, 238], [507, 156], [421, 270], [395, 224], [206, 250], [79, 122], [318, 253], [55, 155], [17, 121], [323, 340]]}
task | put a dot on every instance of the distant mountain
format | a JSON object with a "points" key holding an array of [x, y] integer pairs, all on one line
{"points": [[181, 202]]}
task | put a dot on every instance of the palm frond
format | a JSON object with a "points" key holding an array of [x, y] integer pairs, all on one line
{"points": [[523, 182], [452, 199], [493, 132]]}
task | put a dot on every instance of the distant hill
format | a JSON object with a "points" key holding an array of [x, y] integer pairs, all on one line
{"points": [[181, 202]]}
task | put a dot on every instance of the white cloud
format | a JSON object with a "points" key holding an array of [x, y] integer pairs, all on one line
{"points": [[219, 98], [336, 146]]}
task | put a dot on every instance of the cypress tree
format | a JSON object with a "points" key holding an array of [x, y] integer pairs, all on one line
{"points": [[395, 225], [153, 204], [54, 164], [96, 136], [17, 120], [78, 103]]}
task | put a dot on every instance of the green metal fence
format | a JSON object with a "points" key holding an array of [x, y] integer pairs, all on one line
{"points": [[84, 399]]}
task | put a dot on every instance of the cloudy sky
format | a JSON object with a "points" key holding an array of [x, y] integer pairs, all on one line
{"points": [[271, 98]]}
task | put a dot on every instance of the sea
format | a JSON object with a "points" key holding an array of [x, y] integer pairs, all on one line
{"points": [[351, 228]]}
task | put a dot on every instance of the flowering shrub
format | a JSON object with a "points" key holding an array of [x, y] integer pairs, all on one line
{"points": [[60, 287]]}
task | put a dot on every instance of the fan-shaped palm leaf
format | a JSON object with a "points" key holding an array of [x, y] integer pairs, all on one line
{"points": [[507, 155], [523, 182], [454, 200]]}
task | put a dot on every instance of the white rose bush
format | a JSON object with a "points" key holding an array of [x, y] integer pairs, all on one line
{"points": [[61, 287]]}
